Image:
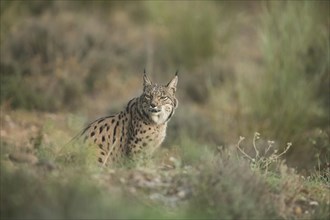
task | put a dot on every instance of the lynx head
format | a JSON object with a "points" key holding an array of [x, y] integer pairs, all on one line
{"points": [[158, 102]]}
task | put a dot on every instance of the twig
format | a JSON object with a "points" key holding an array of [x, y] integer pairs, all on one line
{"points": [[245, 154], [270, 145], [256, 137], [288, 145]]}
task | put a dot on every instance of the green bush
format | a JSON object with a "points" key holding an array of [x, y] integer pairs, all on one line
{"points": [[226, 188], [285, 101]]}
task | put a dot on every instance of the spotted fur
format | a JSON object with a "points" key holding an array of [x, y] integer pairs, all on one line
{"points": [[139, 128]]}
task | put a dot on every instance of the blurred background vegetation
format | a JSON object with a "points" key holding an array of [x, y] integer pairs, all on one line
{"points": [[244, 66]]}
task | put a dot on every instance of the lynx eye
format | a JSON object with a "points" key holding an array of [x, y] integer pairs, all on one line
{"points": [[164, 98], [147, 97]]}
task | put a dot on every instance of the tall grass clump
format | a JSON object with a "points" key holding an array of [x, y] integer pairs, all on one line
{"points": [[190, 28], [287, 100], [226, 188]]}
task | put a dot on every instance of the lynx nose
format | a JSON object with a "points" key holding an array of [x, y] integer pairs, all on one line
{"points": [[153, 108], [152, 105]]}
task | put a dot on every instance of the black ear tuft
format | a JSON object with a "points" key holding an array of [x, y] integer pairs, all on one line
{"points": [[146, 80]]}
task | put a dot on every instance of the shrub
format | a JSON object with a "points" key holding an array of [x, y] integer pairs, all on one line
{"points": [[226, 188], [62, 53], [285, 101]]}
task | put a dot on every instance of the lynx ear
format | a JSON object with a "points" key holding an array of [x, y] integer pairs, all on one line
{"points": [[146, 80], [172, 84]]}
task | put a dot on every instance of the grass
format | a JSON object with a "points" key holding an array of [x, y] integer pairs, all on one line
{"points": [[215, 196], [65, 196], [284, 98], [184, 39], [189, 181], [286, 101]]}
